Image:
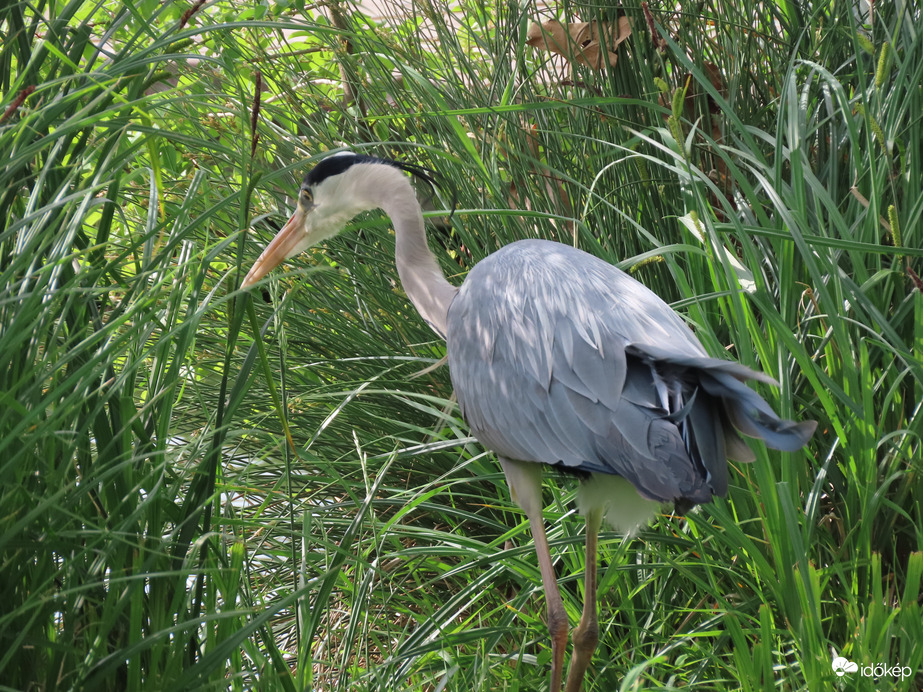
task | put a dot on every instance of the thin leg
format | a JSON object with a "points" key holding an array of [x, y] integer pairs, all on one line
{"points": [[525, 480], [586, 634], [557, 617]]}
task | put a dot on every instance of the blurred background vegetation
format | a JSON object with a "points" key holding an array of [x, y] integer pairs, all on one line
{"points": [[759, 165]]}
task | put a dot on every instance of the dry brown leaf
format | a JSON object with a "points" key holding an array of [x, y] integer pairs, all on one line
{"points": [[580, 42]]}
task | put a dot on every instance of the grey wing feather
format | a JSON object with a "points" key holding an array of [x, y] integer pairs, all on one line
{"points": [[560, 358]]}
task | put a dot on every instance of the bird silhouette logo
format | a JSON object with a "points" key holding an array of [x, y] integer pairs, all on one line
{"points": [[841, 666]]}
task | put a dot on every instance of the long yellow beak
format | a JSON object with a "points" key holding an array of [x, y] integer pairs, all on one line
{"points": [[288, 242]]}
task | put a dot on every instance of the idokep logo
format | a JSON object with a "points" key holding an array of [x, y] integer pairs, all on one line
{"points": [[843, 666]]}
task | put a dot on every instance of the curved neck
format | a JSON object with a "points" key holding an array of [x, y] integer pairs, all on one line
{"points": [[421, 277]]}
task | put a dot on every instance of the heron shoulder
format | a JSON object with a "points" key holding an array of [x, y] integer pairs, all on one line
{"points": [[544, 282]]}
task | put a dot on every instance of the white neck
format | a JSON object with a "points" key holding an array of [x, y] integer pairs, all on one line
{"points": [[418, 269]]}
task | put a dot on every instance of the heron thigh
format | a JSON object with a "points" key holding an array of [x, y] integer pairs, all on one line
{"points": [[621, 505], [525, 481]]}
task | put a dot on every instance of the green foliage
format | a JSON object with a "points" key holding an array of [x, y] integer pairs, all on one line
{"points": [[758, 165]]}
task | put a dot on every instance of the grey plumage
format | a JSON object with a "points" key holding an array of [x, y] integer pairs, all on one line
{"points": [[560, 358]]}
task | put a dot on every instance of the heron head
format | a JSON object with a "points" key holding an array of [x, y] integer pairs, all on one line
{"points": [[333, 192]]}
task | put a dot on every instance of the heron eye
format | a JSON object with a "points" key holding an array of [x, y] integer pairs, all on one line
{"points": [[306, 199]]}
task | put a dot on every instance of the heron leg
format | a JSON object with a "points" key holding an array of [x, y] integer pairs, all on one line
{"points": [[525, 480], [586, 634], [557, 617]]}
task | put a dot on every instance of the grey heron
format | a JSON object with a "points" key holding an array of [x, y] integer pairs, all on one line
{"points": [[558, 358]]}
